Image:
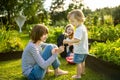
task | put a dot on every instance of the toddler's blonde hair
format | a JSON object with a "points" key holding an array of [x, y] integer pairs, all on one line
{"points": [[77, 14]]}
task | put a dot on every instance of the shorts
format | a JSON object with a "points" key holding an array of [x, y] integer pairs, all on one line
{"points": [[79, 58]]}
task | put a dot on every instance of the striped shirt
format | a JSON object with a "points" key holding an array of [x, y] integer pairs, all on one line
{"points": [[32, 56]]}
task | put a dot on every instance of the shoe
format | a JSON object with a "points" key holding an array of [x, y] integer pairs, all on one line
{"points": [[61, 72], [76, 77]]}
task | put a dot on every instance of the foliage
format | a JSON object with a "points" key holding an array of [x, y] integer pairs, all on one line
{"points": [[58, 17], [57, 12], [32, 7], [12, 8], [109, 51], [44, 17], [8, 8], [10, 41], [76, 4], [98, 19], [108, 19], [116, 13], [29, 28], [104, 32], [57, 6], [54, 32]]}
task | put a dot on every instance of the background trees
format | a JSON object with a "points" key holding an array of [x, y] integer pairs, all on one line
{"points": [[36, 13]]}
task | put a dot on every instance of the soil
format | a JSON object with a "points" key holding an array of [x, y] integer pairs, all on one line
{"points": [[10, 55], [93, 40], [106, 68]]}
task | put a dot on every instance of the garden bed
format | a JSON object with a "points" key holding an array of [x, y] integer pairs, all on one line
{"points": [[106, 68], [93, 40], [10, 55]]}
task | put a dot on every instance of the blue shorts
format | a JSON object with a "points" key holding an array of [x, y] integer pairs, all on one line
{"points": [[79, 58]]}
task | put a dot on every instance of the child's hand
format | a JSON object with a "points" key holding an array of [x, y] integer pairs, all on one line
{"points": [[65, 42], [54, 50], [70, 44], [58, 50]]}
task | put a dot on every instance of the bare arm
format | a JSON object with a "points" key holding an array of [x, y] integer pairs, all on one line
{"points": [[75, 40]]}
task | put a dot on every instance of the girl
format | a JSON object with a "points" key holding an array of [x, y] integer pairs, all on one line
{"points": [[68, 35]]}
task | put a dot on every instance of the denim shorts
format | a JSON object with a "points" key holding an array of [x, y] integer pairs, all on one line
{"points": [[79, 58]]}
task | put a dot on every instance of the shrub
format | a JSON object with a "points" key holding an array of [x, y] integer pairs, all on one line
{"points": [[10, 41], [109, 51], [54, 32], [104, 33]]}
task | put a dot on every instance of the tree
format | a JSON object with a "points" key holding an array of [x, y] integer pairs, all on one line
{"points": [[57, 6], [77, 4], [8, 7], [12, 8], [58, 12], [32, 7], [116, 15]]}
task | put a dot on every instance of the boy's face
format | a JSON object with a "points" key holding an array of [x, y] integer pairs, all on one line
{"points": [[73, 21]]}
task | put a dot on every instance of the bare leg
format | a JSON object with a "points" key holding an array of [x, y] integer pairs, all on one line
{"points": [[83, 68], [79, 71]]}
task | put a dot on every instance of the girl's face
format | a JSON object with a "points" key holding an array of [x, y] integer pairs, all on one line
{"points": [[43, 38], [69, 30]]}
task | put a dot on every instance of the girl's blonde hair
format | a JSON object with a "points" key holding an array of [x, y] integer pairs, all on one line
{"points": [[69, 25], [77, 14]]}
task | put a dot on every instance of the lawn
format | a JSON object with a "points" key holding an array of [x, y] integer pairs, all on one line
{"points": [[11, 70]]}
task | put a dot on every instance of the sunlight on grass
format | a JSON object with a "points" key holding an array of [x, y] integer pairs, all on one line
{"points": [[11, 70]]}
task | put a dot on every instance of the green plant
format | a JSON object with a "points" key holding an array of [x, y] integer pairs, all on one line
{"points": [[10, 41], [104, 32], [109, 51], [54, 32]]}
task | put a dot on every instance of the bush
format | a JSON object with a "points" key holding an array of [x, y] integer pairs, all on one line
{"points": [[104, 33], [109, 51], [54, 32], [10, 41]]}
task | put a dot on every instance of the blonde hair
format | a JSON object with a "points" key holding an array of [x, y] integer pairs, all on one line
{"points": [[77, 14], [67, 26]]}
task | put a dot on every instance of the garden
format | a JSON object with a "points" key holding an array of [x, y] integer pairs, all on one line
{"points": [[103, 61]]}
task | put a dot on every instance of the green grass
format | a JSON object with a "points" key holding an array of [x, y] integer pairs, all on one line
{"points": [[11, 70]]}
